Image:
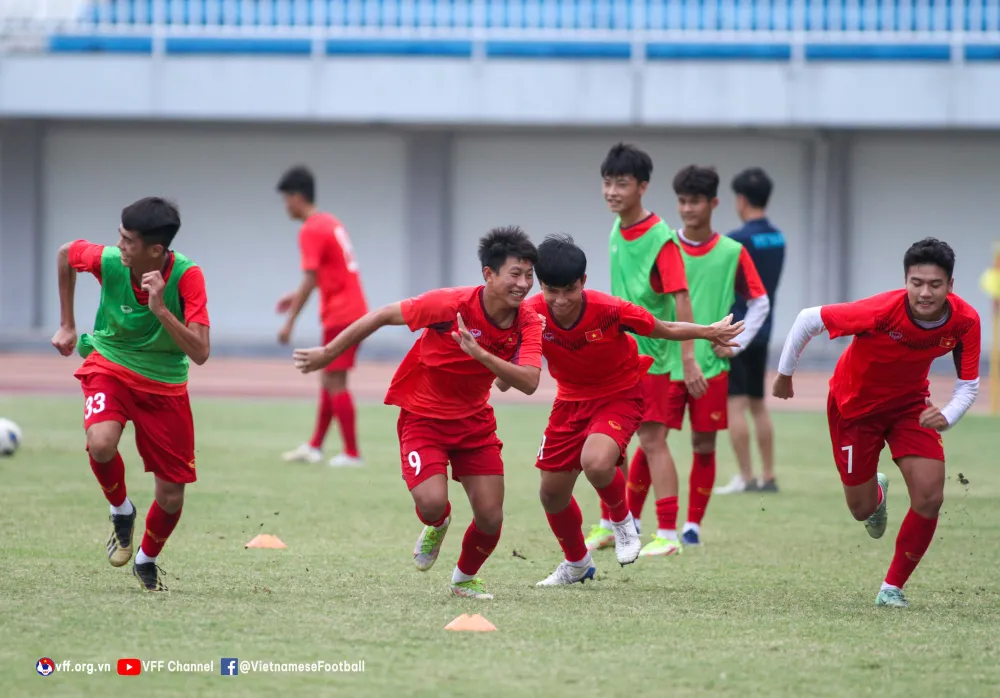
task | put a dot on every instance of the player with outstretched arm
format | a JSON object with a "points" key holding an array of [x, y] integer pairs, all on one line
{"points": [[588, 345], [471, 336], [879, 394]]}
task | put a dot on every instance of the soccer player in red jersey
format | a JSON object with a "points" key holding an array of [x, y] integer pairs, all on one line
{"points": [[329, 264], [152, 320], [471, 336], [599, 404], [625, 173], [879, 394]]}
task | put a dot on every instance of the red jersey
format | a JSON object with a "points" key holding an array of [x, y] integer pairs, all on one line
{"points": [[668, 275], [86, 256], [887, 363], [436, 378], [595, 357], [748, 283], [326, 251]]}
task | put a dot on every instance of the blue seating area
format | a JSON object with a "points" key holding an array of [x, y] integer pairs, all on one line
{"points": [[768, 30]]}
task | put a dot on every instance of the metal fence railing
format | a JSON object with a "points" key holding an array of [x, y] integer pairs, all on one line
{"points": [[952, 22]]}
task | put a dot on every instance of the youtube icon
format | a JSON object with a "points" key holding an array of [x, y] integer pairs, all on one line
{"points": [[129, 667]]}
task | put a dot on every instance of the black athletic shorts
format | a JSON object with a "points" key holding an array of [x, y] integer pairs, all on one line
{"points": [[747, 370]]}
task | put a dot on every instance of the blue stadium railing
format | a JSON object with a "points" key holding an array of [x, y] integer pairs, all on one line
{"points": [[899, 30]]}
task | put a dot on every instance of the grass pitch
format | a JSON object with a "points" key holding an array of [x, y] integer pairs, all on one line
{"points": [[778, 602]]}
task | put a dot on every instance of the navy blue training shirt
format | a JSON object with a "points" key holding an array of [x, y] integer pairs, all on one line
{"points": [[766, 246]]}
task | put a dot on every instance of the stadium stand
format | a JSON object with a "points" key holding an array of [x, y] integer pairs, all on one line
{"points": [[770, 30]]}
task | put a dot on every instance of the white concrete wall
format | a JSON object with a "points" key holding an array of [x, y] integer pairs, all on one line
{"points": [[234, 224], [551, 183], [905, 188]]}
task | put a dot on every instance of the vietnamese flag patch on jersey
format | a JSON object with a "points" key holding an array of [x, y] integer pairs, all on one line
{"points": [[594, 335]]}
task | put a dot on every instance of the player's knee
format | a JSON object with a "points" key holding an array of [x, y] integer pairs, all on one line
{"points": [[703, 442], [489, 519], [861, 509], [430, 505], [553, 501], [102, 445], [927, 503]]}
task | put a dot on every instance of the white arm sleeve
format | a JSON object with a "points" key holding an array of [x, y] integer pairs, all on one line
{"points": [[807, 325], [961, 400], [757, 310]]}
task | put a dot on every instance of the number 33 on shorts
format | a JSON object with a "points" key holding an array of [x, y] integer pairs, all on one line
{"points": [[94, 404]]}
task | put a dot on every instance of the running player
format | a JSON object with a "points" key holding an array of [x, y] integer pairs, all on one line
{"points": [[328, 263], [471, 336], [879, 394], [599, 403], [152, 319]]}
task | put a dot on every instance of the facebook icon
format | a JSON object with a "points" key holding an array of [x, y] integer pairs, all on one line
{"points": [[229, 667]]}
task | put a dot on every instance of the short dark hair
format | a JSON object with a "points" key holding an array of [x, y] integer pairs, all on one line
{"points": [[754, 185], [695, 180], [624, 160], [299, 180], [930, 251], [154, 219], [561, 262], [502, 243]]}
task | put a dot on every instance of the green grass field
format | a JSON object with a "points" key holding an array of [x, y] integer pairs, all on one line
{"points": [[779, 601]]}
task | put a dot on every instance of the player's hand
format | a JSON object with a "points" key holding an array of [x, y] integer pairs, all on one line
{"points": [[783, 387], [64, 340], [724, 333], [465, 339], [309, 360], [723, 351], [285, 333], [153, 284], [694, 379], [284, 304], [931, 418], [542, 318]]}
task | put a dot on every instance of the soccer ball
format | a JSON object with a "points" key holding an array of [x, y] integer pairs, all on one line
{"points": [[10, 437]]}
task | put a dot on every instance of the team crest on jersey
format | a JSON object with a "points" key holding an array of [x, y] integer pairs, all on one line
{"points": [[126, 309], [895, 335], [594, 335], [948, 342], [476, 333], [549, 336]]}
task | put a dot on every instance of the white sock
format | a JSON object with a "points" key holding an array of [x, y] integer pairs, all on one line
{"points": [[443, 525], [689, 526], [585, 562], [459, 576], [605, 523], [887, 586], [142, 558], [638, 525], [124, 509], [664, 533]]}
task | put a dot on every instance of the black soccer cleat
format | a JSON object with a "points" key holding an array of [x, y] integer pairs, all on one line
{"points": [[150, 576], [120, 541]]}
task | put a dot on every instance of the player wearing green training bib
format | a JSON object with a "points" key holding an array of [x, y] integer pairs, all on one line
{"points": [[151, 322], [718, 269], [647, 270]]}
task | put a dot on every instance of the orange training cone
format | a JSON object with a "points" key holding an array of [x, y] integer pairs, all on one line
{"points": [[474, 623], [265, 540]]}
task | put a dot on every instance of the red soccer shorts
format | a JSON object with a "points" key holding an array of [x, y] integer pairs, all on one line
{"points": [[655, 391], [164, 427], [708, 413], [344, 362], [571, 422], [427, 445], [858, 442]]}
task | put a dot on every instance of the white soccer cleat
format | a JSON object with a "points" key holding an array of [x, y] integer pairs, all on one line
{"points": [[737, 485], [303, 454], [627, 544], [342, 460], [569, 574]]}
